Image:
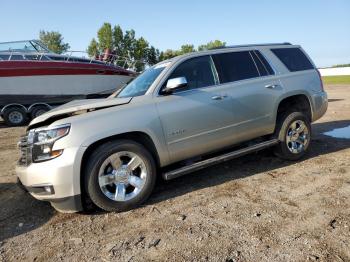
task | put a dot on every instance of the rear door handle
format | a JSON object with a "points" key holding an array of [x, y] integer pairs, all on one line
{"points": [[272, 86], [218, 97]]}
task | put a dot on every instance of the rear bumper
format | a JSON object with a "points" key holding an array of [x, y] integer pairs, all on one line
{"points": [[320, 101]]}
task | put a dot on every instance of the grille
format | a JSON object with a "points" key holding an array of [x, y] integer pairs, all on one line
{"points": [[25, 151]]}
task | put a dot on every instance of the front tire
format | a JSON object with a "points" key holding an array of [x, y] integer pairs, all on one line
{"points": [[294, 133], [120, 175]]}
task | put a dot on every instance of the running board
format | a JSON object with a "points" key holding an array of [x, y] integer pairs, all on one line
{"points": [[217, 159]]}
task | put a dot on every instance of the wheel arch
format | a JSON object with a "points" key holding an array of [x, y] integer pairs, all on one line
{"points": [[31, 107], [300, 101], [136, 136], [13, 105]]}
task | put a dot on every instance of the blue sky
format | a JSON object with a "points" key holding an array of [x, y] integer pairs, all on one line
{"points": [[321, 27]]}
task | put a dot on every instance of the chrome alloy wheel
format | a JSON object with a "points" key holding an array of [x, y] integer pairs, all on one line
{"points": [[122, 176], [298, 137], [15, 117]]}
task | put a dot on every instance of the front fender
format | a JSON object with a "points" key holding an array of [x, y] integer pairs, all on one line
{"points": [[91, 127]]}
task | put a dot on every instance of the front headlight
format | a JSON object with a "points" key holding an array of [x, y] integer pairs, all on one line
{"points": [[43, 141]]}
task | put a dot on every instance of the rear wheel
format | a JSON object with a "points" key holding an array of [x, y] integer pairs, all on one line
{"points": [[38, 110], [15, 116], [120, 175], [294, 132]]}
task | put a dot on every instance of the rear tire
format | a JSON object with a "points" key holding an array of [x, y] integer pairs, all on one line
{"points": [[120, 175], [294, 133], [15, 116], [38, 110]]}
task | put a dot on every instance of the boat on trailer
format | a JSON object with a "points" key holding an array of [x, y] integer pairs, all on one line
{"points": [[33, 79]]}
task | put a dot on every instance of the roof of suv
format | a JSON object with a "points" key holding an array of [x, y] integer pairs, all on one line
{"points": [[223, 48]]}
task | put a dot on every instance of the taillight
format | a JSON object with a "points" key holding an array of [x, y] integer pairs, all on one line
{"points": [[319, 74]]}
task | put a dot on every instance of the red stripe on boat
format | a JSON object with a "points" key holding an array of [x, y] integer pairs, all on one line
{"points": [[36, 68]]}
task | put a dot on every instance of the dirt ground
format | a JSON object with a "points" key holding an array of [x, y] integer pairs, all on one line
{"points": [[255, 208]]}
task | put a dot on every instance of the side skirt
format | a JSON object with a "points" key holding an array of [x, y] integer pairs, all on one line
{"points": [[218, 159]]}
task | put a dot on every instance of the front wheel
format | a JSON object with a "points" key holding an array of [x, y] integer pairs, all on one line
{"points": [[120, 175], [294, 132]]}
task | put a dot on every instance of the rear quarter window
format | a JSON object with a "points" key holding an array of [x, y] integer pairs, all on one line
{"points": [[293, 58]]}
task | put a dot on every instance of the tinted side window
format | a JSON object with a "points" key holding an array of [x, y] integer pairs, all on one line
{"points": [[264, 62], [198, 72], [293, 58], [235, 66]]}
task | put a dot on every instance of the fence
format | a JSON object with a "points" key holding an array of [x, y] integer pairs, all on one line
{"points": [[334, 71]]}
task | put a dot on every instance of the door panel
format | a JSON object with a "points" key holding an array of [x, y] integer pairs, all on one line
{"points": [[195, 121], [252, 92], [252, 104]]}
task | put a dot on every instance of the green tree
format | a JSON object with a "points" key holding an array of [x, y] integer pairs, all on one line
{"points": [[187, 49], [152, 55], [140, 49], [211, 45], [168, 54], [118, 39], [129, 42], [54, 41], [125, 45], [105, 39], [93, 50]]}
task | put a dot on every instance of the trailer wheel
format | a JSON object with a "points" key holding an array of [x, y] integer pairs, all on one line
{"points": [[38, 110], [15, 116]]}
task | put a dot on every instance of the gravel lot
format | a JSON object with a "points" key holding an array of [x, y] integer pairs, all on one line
{"points": [[255, 208]]}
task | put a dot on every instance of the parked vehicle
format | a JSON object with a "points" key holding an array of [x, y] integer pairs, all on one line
{"points": [[33, 79], [179, 116]]}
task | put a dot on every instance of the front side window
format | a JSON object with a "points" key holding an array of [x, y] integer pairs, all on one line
{"points": [[198, 71], [235, 66]]}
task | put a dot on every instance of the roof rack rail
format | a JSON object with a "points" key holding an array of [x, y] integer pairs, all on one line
{"points": [[267, 44]]}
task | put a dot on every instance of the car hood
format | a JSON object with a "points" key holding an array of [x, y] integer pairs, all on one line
{"points": [[78, 107]]}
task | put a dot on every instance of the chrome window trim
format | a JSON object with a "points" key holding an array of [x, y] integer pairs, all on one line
{"points": [[167, 74], [256, 67], [268, 61], [221, 84], [216, 74]]}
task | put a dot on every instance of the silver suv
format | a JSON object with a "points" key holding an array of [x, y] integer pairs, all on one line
{"points": [[178, 116]]}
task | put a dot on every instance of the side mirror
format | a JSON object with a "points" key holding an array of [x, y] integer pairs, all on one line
{"points": [[174, 84]]}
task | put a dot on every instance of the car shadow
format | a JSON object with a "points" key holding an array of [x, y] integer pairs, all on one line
{"points": [[249, 165], [20, 213]]}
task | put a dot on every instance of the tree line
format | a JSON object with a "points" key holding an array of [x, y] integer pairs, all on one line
{"points": [[120, 45]]}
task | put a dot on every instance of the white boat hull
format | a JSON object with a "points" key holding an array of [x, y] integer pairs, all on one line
{"points": [[61, 84]]}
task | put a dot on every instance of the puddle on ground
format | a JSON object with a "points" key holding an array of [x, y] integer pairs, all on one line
{"points": [[339, 132]]}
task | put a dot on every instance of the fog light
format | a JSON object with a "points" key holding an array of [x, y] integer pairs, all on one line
{"points": [[41, 189], [48, 189]]}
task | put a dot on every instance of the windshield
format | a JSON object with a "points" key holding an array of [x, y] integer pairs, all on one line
{"points": [[140, 85], [22, 46]]}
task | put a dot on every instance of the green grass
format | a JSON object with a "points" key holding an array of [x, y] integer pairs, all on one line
{"points": [[336, 80]]}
